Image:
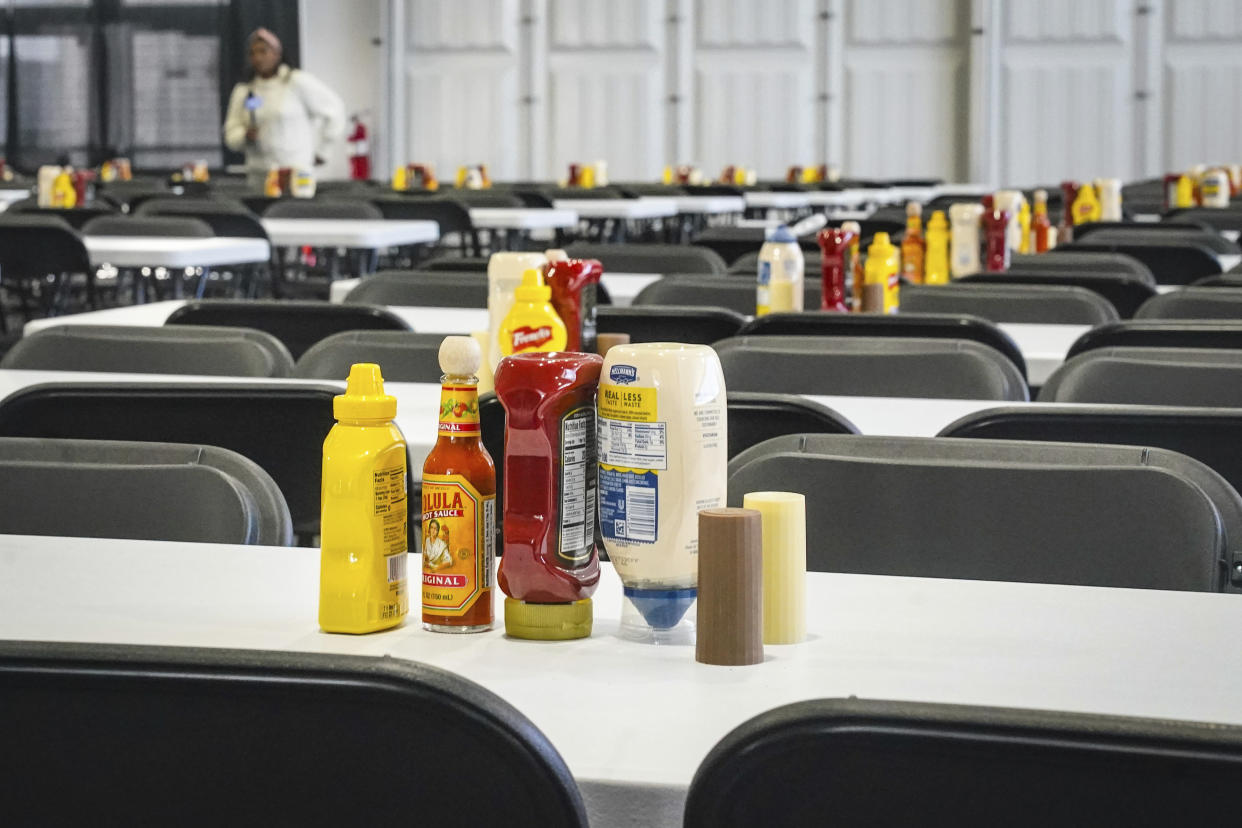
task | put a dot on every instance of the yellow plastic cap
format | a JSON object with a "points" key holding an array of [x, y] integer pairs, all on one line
{"points": [[532, 288], [548, 622], [364, 397], [879, 245], [938, 221]]}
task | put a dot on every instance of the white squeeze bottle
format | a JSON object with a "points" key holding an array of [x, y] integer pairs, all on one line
{"points": [[663, 456], [504, 274], [964, 243], [780, 273]]}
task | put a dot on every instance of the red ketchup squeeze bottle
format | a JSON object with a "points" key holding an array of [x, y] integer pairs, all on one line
{"points": [[996, 228], [573, 283], [835, 244], [550, 565]]}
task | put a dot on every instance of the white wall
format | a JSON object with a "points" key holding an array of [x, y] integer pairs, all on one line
{"points": [[337, 47], [992, 90]]}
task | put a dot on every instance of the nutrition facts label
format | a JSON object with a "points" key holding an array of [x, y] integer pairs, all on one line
{"points": [[578, 487], [633, 445]]}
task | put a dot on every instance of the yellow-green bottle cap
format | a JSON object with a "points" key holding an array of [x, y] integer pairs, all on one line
{"points": [[533, 288], [548, 622], [364, 397]]}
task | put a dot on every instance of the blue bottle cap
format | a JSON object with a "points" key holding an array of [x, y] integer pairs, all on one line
{"points": [[781, 235], [662, 609]]}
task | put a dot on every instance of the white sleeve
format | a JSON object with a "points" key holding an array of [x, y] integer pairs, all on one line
{"points": [[235, 121], [325, 108]]}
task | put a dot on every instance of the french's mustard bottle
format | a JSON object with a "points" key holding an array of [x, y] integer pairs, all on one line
{"points": [[532, 324], [362, 559]]}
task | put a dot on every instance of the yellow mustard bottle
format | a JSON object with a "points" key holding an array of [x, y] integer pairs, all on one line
{"points": [[936, 263], [1086, 207], [363, 545], [532, 324], [1184, 195], [1024, 223], [883, 268]]}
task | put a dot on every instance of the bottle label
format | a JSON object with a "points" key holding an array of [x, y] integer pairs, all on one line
{"points": [[458, 544], [632, 450], [578, 488], [459, 409], [527, 338], [388, 507]]}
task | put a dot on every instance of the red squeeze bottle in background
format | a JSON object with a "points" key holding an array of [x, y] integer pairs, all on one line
{"points": [[550, 477], [835, 243], [1069, 192], [996, 229], [573, 283]]}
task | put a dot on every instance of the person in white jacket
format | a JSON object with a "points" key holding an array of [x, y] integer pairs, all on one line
{"points": [[281, 117]]}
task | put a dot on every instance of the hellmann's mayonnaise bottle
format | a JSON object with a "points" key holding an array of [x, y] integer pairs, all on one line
{"points": [[781, 265], [663, 452]]}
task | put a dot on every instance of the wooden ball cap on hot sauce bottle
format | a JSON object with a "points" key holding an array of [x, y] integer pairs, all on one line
{"points": [[730, 611]]}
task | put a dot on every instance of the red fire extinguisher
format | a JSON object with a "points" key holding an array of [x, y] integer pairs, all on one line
{"points": [[359, 152]]}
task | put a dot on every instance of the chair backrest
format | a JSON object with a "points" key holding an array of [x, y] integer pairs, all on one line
{"points": [[731, 243], [1228, 218], [1082, 231], [183, 227], [1124, 291], [138, 490], [1161, 333], [659, 323], [451, 216], [421, 289], [456, 264], [737, 295], [486, 198], [1213, 436], [403, 356], [75, 217], [323, 209], [650, 258], [36, 245], [1194, 303], [1175, 261], [142, 349], [1040, 304], [1070, 259], [870, 763], [592, 193], [748, 264], [271, 728], [865, 366], [227, 217], [754, 417], [1149, 376], [926, 325], [298, 325], [997, 510], [1198, 236], [280, 427]]}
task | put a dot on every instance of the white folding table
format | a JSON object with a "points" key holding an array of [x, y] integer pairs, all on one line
{"points": [[522, 218], [640, 718], [619, 208], [175, 252], [364, 234], [763, 200]]}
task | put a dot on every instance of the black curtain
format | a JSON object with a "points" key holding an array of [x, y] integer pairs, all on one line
{"points": [[72, 69], [244, 16]]}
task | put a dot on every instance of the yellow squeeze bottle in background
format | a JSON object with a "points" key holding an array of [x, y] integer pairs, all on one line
{"points": [[532, 324], [883, 269], [936, 262], [362, 560]]}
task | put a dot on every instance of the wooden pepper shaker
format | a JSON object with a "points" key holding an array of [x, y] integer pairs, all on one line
{"points": [[730, 612]]}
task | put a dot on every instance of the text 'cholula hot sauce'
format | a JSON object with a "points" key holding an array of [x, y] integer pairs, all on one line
{"points": [[459, 502]]}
